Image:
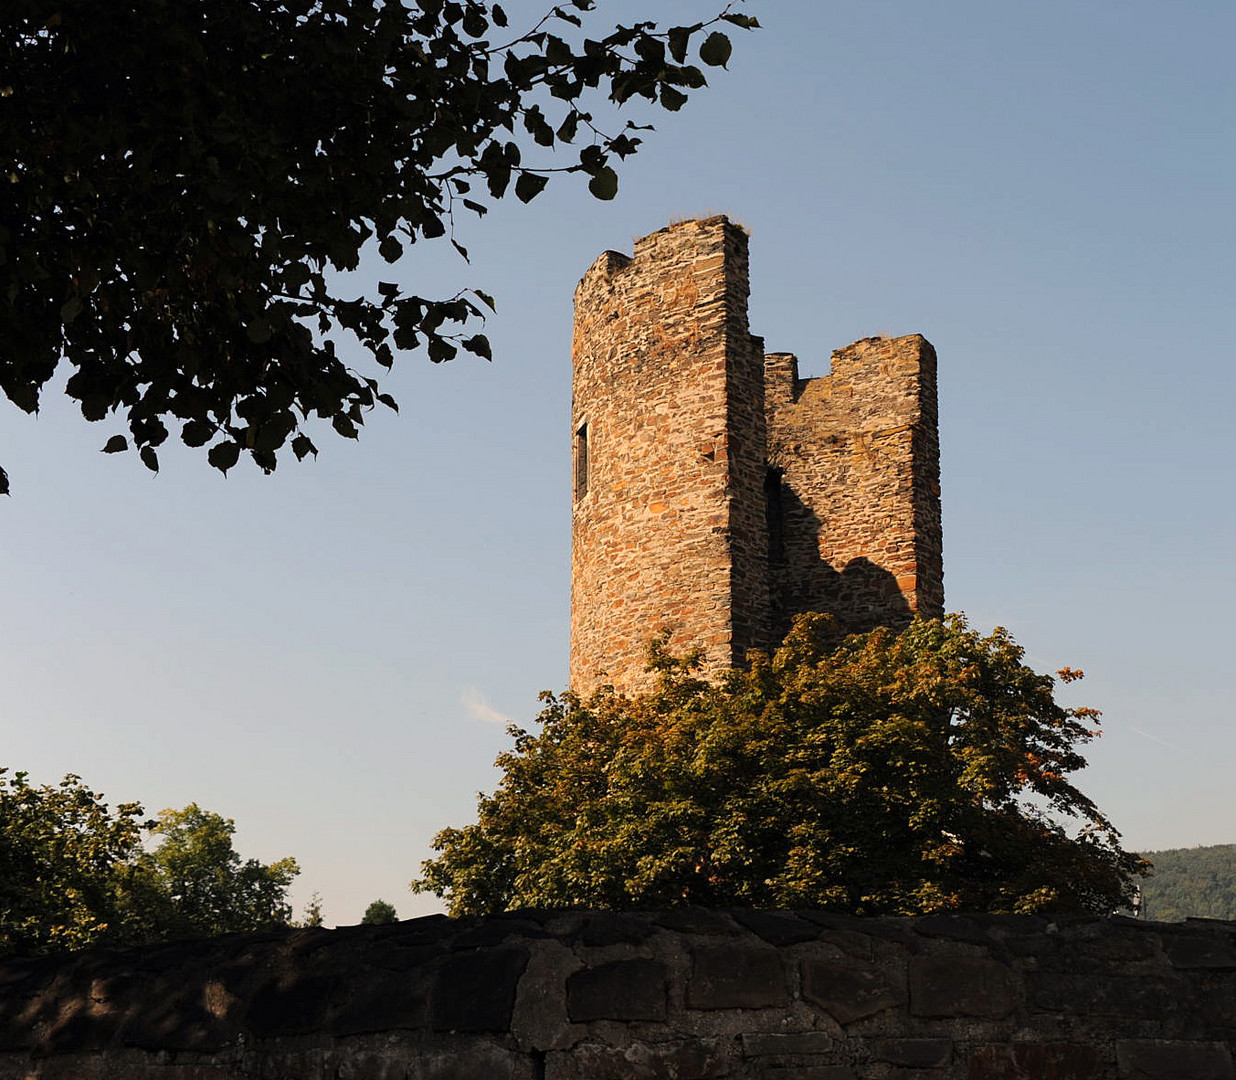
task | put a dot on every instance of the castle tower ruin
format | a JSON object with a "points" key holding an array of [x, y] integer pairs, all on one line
{"points": [[717, 494]]}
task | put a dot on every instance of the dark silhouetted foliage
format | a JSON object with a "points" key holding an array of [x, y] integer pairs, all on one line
{"points": [[183, 182], [379, 913]]}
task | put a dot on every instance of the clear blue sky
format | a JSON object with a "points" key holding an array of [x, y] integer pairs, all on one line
{"points": [[1043, 190]]}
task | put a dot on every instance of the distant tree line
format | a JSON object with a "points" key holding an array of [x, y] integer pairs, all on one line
{"points": [[1198, 882], [76, 872]]}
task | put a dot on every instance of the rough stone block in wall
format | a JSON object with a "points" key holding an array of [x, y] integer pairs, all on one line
{"points": [[716, 494]]}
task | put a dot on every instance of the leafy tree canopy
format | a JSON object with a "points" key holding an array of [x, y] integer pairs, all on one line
{"points": [[892, 773], [182, 180], [202, 887], [74, 872], [379, 913], [65, 859]]}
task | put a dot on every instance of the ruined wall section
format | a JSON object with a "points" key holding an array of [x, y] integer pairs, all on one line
{"points": [[667, 423], [687, 993], [856, 453]]}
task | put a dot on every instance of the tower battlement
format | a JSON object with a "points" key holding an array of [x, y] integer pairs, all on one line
{"points": [[715, 492]]}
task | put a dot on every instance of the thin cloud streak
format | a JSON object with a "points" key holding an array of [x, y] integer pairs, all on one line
{"points": [[480, 709]]}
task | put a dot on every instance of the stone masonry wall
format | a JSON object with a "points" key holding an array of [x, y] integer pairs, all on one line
{"points": [[716, 494], [668, 396], [859, 459], [678, 995]]}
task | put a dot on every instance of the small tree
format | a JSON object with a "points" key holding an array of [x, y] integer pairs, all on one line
{"points": [[65, 858], [74, 873], [880, 773], [199, 885], [379, 913], [312, 915]]}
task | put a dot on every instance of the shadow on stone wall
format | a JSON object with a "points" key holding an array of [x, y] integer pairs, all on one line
{"points": [[862, 595]]}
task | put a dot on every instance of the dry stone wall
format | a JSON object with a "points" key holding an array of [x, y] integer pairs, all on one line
{"points": [[715, 493], [679, 995]]}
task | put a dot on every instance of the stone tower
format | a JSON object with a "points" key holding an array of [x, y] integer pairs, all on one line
{"points": [[717, 494]]}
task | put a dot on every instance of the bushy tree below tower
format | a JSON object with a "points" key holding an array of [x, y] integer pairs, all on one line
{"points": [[883, 773]]}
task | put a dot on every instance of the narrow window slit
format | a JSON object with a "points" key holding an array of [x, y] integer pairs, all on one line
{"points": [[581, 462]]}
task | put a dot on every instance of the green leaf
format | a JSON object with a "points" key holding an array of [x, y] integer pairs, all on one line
{"points": [[196, 433], [115, 445], [747, 22], [479, 345], [150, 458], [716, 50], [486, 298], [4, 482], [529, 185], [679, 37], [672, 99], [301, 445], [223, 456], [569, 126], [70, 309], [604, 185], [259, 332], [390, 249]]}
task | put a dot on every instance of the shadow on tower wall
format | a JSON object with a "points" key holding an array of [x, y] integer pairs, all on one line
{"points": [[861, 594]]}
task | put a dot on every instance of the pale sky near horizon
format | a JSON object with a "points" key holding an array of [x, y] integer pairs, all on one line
{"points": [[329, 655]]}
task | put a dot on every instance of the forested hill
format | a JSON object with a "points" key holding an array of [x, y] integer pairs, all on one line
{"points": [[1198, 881]]}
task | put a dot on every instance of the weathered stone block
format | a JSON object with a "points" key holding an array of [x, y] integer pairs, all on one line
{"points": [[807, 1072], [694, 1060], [918, 1053], [694, 920], [605, 928], [472, 1061], [953, 927], [849, 993], [389, 1001], [961, 986], [734, 976], [476, 991], [1135, 996], [540, 1021], [622, 990], [802, 1043], [289, 1005], [1214, 951], [1166, 1060], [360, 1066], [777, 928], [1032, 1061]]}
